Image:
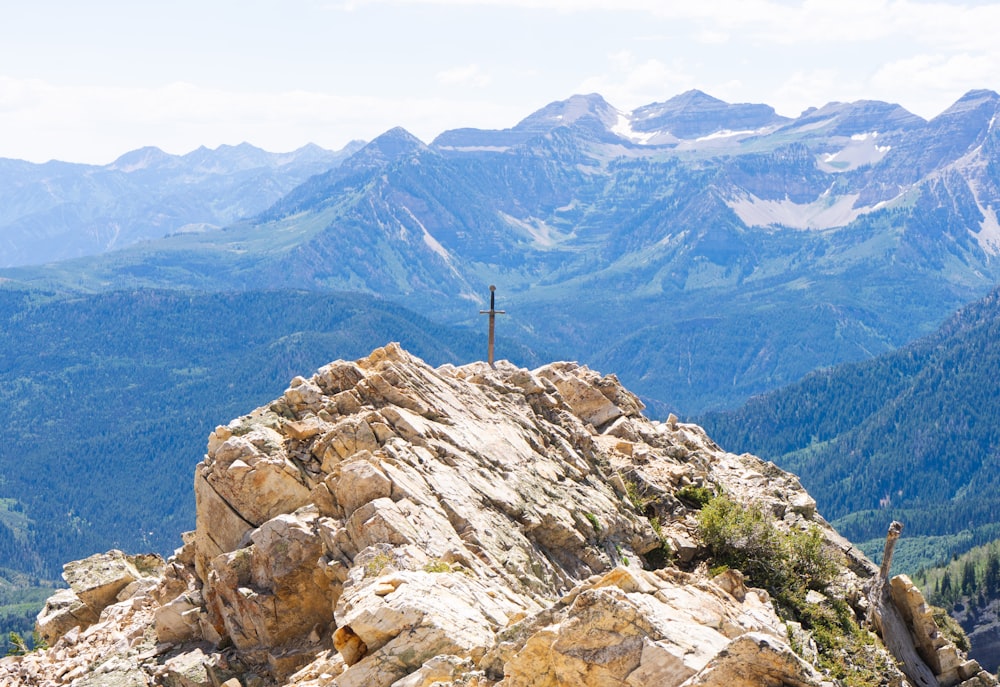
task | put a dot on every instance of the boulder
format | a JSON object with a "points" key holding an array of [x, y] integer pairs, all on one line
{"points": [[179, 620], [94, 584], [252, 473], [98, 579], [945, 660], [194, 668], [635, 628], [586, 398], [62, 612], [757, 660], [273, 593], [358, 482]]}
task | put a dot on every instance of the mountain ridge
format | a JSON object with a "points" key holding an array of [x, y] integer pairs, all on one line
{"points": [[575, 207], [384, 522], [55, 211]]}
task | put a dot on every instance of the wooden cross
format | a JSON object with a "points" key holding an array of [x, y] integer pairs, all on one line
{"points": [[492, 312]]}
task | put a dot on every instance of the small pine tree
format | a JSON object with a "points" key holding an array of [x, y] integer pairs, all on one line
{"points": [[968, 578], [18, 647], [991, 579], [946, 586]]}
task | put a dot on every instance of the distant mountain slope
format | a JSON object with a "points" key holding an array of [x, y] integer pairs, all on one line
{"points": [[913, 435], [56, 210], [107, 400], [707, 251], [693, 114]]}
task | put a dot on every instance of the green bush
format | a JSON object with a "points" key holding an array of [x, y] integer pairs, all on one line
{"points": [[746, 538], [695, 496], [950, 628], [787, 564], [437, 566]]}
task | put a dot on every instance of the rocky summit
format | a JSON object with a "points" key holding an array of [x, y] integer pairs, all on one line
{"points": [[385, 523]]}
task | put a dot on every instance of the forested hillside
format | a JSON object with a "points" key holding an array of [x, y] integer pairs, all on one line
{"points": [[21, 597], [108, 401], [968, 587], [912, 435]]}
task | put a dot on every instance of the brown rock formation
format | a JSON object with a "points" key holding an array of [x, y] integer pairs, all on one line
{"points": [[385, 524]]}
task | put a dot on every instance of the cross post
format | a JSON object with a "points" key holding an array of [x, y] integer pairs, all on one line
{"points": [[492, 312]]}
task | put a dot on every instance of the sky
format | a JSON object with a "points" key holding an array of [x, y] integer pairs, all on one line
{"points": [[88, 82]]}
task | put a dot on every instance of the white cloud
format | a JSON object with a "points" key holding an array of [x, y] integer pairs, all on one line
{"points": [[931, 83], [95, 125], [956, 24], [470, 75], [18, 95], [629, 82], [438, 64], [814, 88], [711, 37]]}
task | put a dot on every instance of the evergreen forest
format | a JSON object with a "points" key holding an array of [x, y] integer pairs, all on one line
{"points": [[912, 435]]}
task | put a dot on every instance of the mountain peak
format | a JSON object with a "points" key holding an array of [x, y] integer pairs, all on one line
{"points": [[694, 114], [960, 129], [227, 157], [980, 100], [979, 95], [590, 113], [570, 111], [694, 98], [142, 158], [391, 145], [385, 521], [859, 117]]}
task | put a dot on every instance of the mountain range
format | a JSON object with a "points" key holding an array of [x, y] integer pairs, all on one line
{"points": [[59, 210], [705, 251]]}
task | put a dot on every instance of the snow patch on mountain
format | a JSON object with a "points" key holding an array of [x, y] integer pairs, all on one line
{"points": [[539, 234], [726, 133], [988, 236], [989, 232], [432, 242], [861, 149], [826, 212], [623, 128]]}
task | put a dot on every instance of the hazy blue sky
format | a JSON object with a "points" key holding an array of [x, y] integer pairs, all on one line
{"points": [[89, 81]]}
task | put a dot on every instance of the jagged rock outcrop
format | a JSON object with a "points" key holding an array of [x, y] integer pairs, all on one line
{"points": [[385, 523], [94, 584], [949, 665]]}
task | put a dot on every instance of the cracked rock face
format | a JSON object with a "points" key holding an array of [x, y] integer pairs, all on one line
{"points": [[384, 523]]}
